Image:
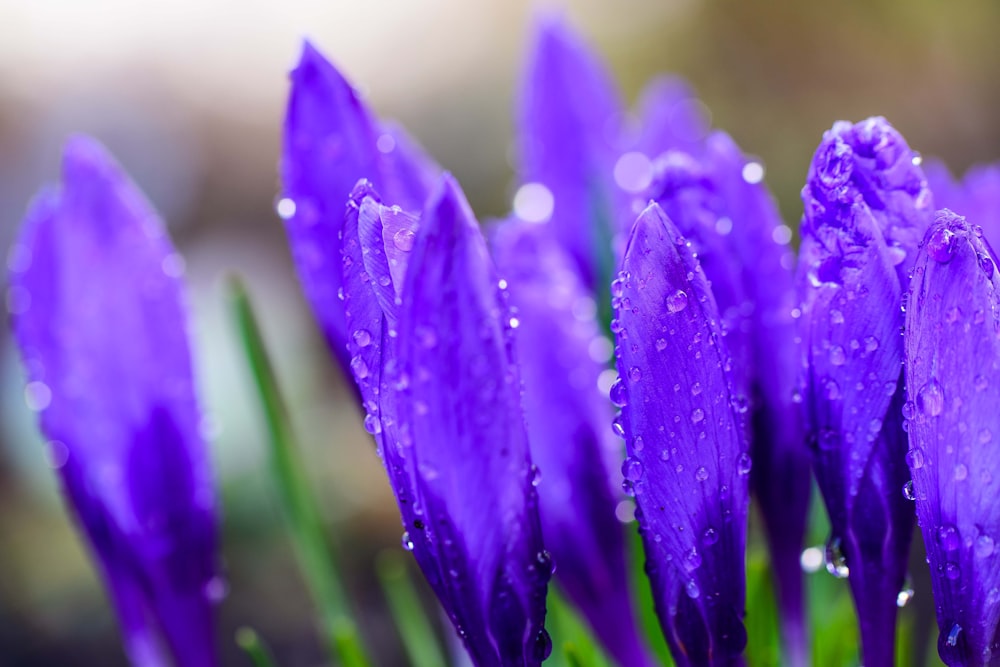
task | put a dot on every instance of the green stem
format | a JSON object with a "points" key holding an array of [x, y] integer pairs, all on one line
{"points": [[248, 640], [411, 618], [311, 547]]}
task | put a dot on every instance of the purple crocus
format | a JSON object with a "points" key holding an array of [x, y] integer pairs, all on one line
{"points": [[867, 206], [331, 140], [953, 387], [718, 201], [976, 196], [432, 355], [561, 355], [688, 465], [99, 316]]}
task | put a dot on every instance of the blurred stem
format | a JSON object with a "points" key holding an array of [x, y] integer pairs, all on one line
{"points": [[315, 557], [411, 618], [248, 640]]}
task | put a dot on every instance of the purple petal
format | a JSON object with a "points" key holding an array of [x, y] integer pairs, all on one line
{"points": [[560, 350], [463, 434], [953, 381], [759, 242], [121, 398], [687, 463], [568, 124], [331, 140], [977, 197], [866, 206], [671, 117]]}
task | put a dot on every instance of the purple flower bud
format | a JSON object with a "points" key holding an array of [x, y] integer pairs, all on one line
{"points": [[432, 357], [562, 353], [866, 208], [690, 476], [101, 324], [953, 381], [331, 140]]}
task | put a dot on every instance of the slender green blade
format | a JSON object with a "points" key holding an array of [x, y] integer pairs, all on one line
{"points": [[248, 640], [311, 547], [419, 638]]}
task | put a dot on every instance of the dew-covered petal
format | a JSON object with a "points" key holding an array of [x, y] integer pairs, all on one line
{"points": [[953, 380], [469, 445], [690, 477], [866, 206], [562, 353], [759, 242], [101, 324], [568, 124], [331, 140]]}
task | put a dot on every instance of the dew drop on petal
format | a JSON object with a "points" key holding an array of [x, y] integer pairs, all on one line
{"points": [[632, 469], [744, 463], [407, 542], [941, 245], [984, 546], [362, 337], [697, 415], [952, 639], [692, 590], [701, 474], [677, 301], [908, 491], [930, 398]]}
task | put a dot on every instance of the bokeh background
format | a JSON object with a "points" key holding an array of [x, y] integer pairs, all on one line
{"points": [[189, 94]]}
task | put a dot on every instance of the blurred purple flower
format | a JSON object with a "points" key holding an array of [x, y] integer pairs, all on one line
{"points": [[719, 203], [953, 385], [331, 140], [687, 465], [561, 354], [430, 339], [976, 196], [100, 318], [866, 208]]}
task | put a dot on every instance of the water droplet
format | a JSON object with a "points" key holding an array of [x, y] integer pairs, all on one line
{"points": [[985, 436], [661, 344], [285, 208], [362, 337], [692, 559], [677, 301], [915, 458], [37, 395], [697, 415], [832, 390], [961, 472], [836, 317], [744, 463], [692, 590], [701, 474], [372, 424], [543, 645], [710, 537], [941, 245], [952, 571], [984, 546], [836, 562], [514, 323], [905, 594], [637, 444], [618, 427], [948, 538], [871, 344], [837, 355], [618, 394], [635, 374], [696, 389], [930, 398], [953, 634], [546, 564], [632, 469], [986, 264], [359, 367], [908, 491], [980, 382], [535, 475]]}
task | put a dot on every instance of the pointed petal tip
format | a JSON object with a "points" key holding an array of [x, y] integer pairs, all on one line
{"points": [[84, 156]]}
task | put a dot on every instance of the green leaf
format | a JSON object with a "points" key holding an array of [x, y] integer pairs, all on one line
{"points": [[419, 638], [308, 538], [248, 640]]}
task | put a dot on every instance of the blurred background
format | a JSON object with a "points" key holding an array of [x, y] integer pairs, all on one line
{"points": [[189, 94]]}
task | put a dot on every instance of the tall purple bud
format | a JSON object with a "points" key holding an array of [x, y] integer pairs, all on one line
{"points": [[100, 317], [953, 410], [687, 465], [866, 208]]}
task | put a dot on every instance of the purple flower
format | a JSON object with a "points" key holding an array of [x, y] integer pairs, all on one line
{"points": [[568, 131], [953, 387], [430, 339], [720, 204], [560, 352], [976, 196], [866, 208], [99, 317], [331, 140], [687, 463]]}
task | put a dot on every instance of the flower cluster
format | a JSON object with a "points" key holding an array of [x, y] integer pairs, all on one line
{"points": [[484, 359]]}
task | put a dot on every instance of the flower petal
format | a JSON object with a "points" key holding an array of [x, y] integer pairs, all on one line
{"points": [[866, 206], [672, 118], [977, 197], [331, 140], [687, 455], [121, 398], [953, 381], [559, 350], [567, 127], [469, 446]]}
